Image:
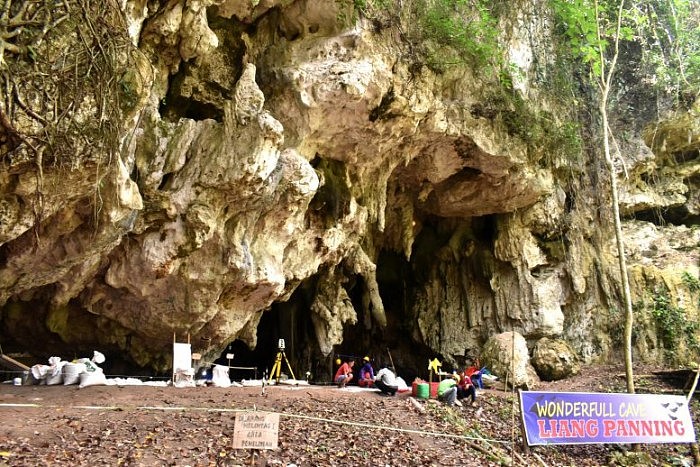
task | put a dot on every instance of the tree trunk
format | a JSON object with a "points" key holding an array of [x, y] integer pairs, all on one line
{"points": [[605, 83], [627, 295]]}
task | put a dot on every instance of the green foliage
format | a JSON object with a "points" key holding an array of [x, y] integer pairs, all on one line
{"points": [[616, 321], [671, 42], [630, 458], [691, 282], [666, 31], [348, 9], [365, 6], [505, 411], [466, 27], [540, 130], [444, 33], [577, 20], [673, 325]]}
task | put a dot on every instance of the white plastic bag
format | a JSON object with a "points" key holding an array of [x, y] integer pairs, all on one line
{"points": [[184, 379], [220, 376], [98, 357], [39, 372]]}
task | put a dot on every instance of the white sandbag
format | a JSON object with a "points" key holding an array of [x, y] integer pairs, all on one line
{"points": [[219, 376], [255, 382], [71, 373], [184, 378], [55, 374], [52, 380], [55, 362], [98, 357], [92, 378], [89, 364], [48, 374], [39, 372]]}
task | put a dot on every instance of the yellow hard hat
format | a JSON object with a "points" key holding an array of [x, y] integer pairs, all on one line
{"points": [[337, 361], [366, 359]]}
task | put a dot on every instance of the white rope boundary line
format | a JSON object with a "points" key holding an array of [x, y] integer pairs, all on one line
{"points": [[282, 414]]}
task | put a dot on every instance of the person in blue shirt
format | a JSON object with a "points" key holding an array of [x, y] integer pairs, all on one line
{"points": [[366, 374]]}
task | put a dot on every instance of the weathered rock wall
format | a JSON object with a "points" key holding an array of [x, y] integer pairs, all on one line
{"points": [[273, 145]]}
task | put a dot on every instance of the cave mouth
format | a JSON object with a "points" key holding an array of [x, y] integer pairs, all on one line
{"points": [[291, 321], [282, 321], [677, 215], [399, 343]]}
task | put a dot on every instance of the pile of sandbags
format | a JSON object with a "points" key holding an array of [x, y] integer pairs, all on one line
{"points": [[83, 371], [50, 374]]}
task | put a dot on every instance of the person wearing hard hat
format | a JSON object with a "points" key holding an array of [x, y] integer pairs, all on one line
{"points": [[344, 374], [366, 374], [447, 391]]}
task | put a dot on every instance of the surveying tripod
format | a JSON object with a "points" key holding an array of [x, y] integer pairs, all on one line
{"points": [[278, 363]]}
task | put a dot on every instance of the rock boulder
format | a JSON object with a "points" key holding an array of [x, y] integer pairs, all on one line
{"points": [[554, 359], [512, 366]]}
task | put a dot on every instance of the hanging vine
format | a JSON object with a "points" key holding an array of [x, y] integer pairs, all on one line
{"points": [[67, 78]]}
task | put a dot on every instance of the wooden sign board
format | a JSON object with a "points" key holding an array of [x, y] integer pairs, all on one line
{"points": [[256, 430]]}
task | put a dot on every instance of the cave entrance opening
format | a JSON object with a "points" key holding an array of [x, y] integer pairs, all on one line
{"points": [[450, 259], [396, 343], [290, 321]]}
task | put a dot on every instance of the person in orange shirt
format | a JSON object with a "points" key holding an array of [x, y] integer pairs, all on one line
{"points": [[344, 374]]}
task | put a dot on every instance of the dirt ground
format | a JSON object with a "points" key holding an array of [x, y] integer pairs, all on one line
{"points": [[318, 425]]}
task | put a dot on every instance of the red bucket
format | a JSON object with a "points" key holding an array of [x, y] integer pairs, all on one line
{"points": [[433, 389]]}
